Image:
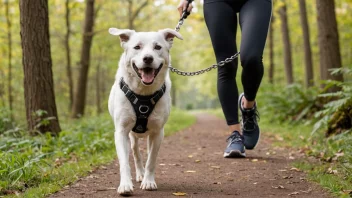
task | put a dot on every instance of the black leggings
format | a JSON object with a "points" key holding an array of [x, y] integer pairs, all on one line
{"points": [[221, 19]]}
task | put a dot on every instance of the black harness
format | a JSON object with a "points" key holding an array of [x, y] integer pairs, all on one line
{"points": [[143, 105]]}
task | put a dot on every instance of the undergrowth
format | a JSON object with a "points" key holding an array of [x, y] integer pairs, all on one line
{"points": [[35, 166]]}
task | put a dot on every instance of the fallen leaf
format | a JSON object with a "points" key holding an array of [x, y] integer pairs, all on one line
{"points": [[306, 191], [287, 177], [348, 192], [190, 156], [197, 161], [331, 171], [254, 160], [175, 164], [295, 169], [216, 167], [179, 194], [283, 170], [294, 193], [278, 187], [190, 171]]}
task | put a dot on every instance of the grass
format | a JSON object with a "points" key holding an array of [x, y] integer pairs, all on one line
{"points": [[39, 166], [332, 164]]}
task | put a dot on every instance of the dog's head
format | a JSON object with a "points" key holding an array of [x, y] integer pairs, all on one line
{"points": [[146, 53]]}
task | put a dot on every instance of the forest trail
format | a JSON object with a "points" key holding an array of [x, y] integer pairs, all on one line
{"points": [[191, 162]]}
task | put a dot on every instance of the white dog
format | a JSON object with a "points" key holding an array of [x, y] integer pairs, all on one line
{"points": [[140, 101]]}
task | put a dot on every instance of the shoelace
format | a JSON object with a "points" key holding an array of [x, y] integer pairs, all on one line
{"points": [[251, 119], [234, 137]]}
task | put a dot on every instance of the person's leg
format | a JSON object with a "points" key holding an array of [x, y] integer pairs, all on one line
{"points": [[221, 21], [254, 20]]}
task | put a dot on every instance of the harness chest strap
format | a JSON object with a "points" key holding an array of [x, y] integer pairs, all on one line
{"points": [[143, 105]]}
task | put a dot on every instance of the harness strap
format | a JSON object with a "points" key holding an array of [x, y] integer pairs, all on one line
{"points": [[143, 105]]}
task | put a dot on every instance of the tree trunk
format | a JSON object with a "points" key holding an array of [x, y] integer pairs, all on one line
{"points": [[9, 50], [36, 57], [271, 51], [173, 96], [328, 37], [309, 77], [68, 53], [80, 95], [286, 43], [132, 15], [98, 88]]}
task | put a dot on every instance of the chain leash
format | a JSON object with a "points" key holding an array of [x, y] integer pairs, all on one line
{"points": [[202, 71]]}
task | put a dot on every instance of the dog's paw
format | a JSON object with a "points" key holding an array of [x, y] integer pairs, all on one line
{"points": [[139, 178], [139, 175], [149, 185], [125, 189]]}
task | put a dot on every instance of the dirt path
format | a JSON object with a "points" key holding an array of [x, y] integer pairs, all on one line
{"points": [[191, 161]]}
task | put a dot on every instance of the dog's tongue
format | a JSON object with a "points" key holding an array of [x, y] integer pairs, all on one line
{"points": [[147, 76]]}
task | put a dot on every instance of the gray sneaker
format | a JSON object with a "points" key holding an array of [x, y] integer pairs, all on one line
{"points": [[249, 125], [235, 147]]}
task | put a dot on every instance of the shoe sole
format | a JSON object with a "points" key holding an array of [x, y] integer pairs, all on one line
{"points": [[240, 105], [234, 154]]}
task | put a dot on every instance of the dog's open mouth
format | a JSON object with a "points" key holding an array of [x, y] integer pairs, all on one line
{"points": [[147, 74]]}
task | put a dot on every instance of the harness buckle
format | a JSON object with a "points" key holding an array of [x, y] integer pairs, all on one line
{"points": [[133, 98]]}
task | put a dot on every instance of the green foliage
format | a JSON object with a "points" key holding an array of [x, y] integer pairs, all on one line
{"points": [[28, 161], [5, 119], [293, 103], [338, 109]]}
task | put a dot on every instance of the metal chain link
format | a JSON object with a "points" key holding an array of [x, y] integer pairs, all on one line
{"points": [[202, 71]]}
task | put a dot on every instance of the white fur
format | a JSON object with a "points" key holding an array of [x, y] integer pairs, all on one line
{"points": [[122, 111]]}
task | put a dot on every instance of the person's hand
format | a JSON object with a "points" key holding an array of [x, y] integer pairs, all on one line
{"points": [[182, 6]]}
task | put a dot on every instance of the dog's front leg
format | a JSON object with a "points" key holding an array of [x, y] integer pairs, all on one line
{"points": [[154, 142], [138, 162], [122, 149]]}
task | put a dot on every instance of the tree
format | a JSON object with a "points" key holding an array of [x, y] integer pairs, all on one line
{"points": [[80, 95], [132, 15], [37, 65], [68, 53], [328, 38], [286, 43], [9, 48], [309, 77], [271, 51], [98, 86]]}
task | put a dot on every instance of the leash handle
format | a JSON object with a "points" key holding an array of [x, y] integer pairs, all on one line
{"points": [[185, 13]]}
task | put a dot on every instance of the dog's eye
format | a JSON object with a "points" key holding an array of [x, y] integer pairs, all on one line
{"points": [[157, 47], [137, 47]]}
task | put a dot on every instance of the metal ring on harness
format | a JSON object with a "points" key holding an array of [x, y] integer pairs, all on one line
{"points": [[143, 107]]}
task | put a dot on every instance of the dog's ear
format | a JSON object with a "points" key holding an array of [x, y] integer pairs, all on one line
{"points": [[170, 34], [124, 34]]}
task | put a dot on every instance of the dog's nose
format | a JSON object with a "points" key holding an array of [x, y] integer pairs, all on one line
{"points": [[148, 59]]}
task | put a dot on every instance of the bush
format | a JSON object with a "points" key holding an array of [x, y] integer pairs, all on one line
{"points": [[336, 115], [5, 120], [294, 103]]}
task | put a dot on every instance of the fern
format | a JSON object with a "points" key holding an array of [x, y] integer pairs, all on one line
{"points": [[343, 98]]}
